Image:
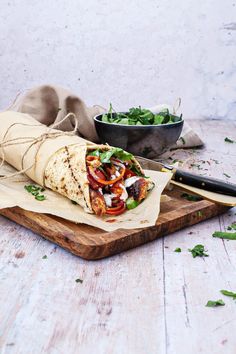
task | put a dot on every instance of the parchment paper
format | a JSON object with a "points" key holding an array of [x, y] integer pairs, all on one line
{"points": [[214, 197], [12, 193]]}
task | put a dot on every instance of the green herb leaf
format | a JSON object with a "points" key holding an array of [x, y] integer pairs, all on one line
{"points": [[232, 226], [178, 250], [211, 303], [40, 197], [79, 280], [198, 251], [225, 235], [228, 140], [116, 152], [158, 119], [228, 293], [190, 197], [140, 116], [35, 190], [45, 257], [94, 153]]}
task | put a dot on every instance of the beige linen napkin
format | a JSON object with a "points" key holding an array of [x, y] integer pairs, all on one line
{"points": [[49, 104]]}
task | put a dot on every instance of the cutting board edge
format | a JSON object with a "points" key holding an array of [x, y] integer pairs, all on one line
{"points": [[137, 238]]}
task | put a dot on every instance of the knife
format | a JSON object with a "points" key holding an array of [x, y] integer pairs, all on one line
{"points": [[207, 183]]}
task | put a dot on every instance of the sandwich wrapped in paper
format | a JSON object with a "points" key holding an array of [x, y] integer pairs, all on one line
{"points": [[101, 179]]}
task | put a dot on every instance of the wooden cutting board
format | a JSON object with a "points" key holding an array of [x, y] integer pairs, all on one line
{"points": [[92, 243]]}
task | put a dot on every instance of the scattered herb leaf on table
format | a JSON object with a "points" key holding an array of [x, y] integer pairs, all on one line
{"points": [[225, 235], [79, 280], [198, 251], [228, 293], [216, 303], [228, 140], [190, 197]]}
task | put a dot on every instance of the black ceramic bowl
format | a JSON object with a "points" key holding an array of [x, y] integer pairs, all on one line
{"points": [[142, 140]]}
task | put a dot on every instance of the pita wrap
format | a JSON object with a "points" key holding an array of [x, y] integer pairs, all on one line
{"points": [[51, 158]]}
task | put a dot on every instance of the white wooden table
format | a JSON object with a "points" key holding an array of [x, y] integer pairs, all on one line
{"points": [[145, 301]]}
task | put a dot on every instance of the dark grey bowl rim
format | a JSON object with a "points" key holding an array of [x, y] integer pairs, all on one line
{"points": [[137, 126]]}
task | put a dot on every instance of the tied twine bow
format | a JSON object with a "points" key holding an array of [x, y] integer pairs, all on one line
{"points": [[40, 139]]}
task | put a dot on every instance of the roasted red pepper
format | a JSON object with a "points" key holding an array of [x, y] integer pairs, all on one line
{"points": [[96, 175], [129, 173], [117, 210]]}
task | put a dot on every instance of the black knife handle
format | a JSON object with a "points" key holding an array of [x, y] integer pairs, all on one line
{"points": [[206, 183]]}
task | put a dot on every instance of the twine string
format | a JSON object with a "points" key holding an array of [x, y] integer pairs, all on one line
{"points": [[39, 140]]}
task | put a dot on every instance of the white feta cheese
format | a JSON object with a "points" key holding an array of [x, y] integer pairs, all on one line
{"points": [[130, 181], [124, 194], [108, 199]]}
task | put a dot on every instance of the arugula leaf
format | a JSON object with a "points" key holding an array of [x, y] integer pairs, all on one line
{"points": [[225, 235], [178, 250], [117, 152], [211, 303], [198, 251], [94, 153], [228, 293], [190, 197], [228, 140]]}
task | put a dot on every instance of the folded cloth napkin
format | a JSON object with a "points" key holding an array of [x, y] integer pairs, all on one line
{"points": [[50, 104]]}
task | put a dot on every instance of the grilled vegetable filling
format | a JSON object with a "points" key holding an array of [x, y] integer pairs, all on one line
{"points": [[115, 182]]}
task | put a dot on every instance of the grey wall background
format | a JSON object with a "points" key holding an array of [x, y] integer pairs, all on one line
{"points": [[125, 52]]}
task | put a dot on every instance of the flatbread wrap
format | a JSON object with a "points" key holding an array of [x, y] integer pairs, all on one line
{"points": [[102, 179]]}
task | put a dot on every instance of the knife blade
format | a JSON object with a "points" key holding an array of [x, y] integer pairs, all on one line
{"points": [[207, 183]]}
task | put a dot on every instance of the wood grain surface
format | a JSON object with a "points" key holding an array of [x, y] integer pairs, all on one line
{"points": [[148, 300], [92, 243]]}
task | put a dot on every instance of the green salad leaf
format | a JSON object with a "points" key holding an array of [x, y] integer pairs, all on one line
{"points": [[140, 116], [116, 152], [105, 156]]}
